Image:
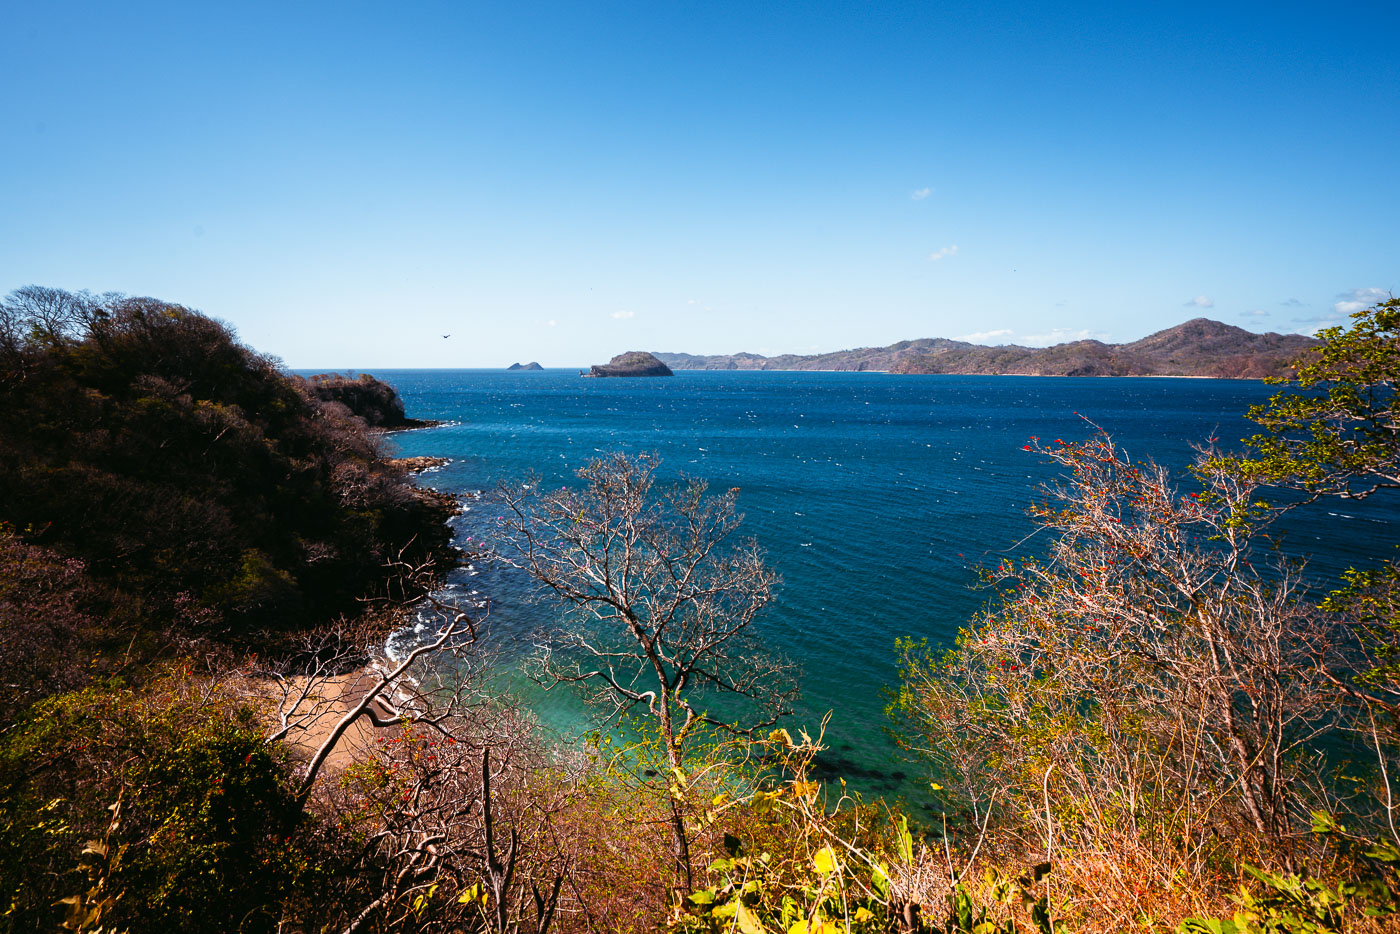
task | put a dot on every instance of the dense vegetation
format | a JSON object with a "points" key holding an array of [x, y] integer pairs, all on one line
{"points": [[199, 487], [1155, 725]]}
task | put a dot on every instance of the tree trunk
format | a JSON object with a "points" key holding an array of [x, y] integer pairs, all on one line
{"points": [[680, 842]]}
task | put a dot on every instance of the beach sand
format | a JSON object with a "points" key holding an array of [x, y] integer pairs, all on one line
{"points": [[326, 703]]}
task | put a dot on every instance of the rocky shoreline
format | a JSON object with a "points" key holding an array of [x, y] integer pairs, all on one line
{"points": [[419, 464]]}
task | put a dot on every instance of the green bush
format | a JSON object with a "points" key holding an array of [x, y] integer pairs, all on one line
{"points": [[160, 810]]}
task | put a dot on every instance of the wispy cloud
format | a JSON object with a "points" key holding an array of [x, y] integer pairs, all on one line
{"points": [[1201, 301], [1311, 324], [1291, 303], [624, 314], [986, 337], [943, 252], [1000, 337], [553, 323], [919, 194], [1256, 313], [1061, 336], [1349, 303]]}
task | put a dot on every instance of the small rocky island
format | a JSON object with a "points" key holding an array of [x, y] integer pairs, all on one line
{"points": [[632, 363], [532, 365]]}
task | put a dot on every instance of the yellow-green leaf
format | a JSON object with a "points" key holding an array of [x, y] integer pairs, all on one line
{"points": [[748, 921]]}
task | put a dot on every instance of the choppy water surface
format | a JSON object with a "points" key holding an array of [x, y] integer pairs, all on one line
{"points": [[874, 496]]}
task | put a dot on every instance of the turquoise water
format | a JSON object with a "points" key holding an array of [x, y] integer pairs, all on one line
{"points": [[874, 496]]}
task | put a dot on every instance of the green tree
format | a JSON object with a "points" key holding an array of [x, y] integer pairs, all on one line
{"points": [[1336, 430]]}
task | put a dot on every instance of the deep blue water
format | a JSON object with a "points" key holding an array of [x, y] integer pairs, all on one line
{"points": [[874, 496]]}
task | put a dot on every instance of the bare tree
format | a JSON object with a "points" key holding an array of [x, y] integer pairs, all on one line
{"points": [[666, 596], [446, 787], [1157, 667]]}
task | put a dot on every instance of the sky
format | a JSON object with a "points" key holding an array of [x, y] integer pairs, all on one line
{"points": [[419, 184]]}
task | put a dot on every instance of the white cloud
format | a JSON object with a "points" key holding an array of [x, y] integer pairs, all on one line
{"points": [[1291, 303], [1359, 300], [919, 194], [986, 337], [553, 323], [624, 314], [942, 252], [1201, 301], [1061, 336], [1256, 313]]}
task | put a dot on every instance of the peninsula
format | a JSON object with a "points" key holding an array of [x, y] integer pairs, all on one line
{"points": [[1199, 347]]}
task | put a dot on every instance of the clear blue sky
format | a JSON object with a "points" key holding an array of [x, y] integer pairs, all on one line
{"points": [[345, 183]]}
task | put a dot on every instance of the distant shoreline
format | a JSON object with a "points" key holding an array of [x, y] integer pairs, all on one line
{"points": [[1196, 348], [880, 372]]}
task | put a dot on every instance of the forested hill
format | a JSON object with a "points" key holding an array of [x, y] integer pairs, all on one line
{"points": [[1199, 347], [188, 482]]}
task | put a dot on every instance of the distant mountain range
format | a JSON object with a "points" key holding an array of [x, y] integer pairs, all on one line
{"points": [[1200, 347]]}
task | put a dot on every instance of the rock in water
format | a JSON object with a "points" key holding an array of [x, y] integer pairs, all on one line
{"points": [[632, 363]]}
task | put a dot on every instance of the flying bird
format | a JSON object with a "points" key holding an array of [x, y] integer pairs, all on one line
{"points": [[445, 336]]}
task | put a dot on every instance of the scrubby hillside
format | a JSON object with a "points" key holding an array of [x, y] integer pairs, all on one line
{"points": [[200, 487]]}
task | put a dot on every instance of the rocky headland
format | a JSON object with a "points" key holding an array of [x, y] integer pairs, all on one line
{"points": [[371, 399]]}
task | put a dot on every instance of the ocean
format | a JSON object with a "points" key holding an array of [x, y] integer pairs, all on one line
{"points": [[875, 497]]}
